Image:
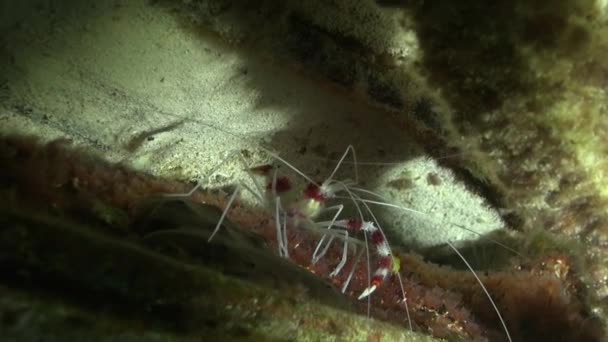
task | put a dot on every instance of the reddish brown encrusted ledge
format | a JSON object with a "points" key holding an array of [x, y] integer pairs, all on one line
{"points": [[540, 299]]}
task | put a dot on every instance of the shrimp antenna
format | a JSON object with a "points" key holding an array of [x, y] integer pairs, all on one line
{"points": [[502, 321], [293, 168], [349, 148], [426, 217]]}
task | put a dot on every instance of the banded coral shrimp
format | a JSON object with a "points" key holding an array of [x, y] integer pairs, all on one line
{"points": [[299, 209], [295, 211]]}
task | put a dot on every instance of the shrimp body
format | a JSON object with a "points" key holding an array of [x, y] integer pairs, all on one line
{"points": [[304, 206]]}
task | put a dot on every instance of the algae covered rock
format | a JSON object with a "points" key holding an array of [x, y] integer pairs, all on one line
{"points": [[506, 101]]}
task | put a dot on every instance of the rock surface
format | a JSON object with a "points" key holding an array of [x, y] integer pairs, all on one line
{"points": [[489, 116]]}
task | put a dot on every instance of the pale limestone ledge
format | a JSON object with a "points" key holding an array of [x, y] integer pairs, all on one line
{"points": [[101, 75]]}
